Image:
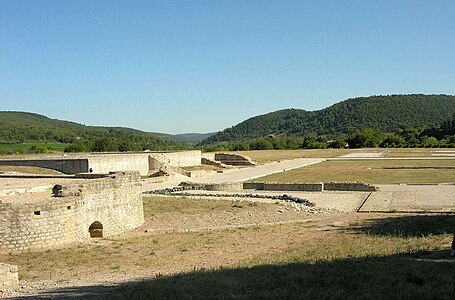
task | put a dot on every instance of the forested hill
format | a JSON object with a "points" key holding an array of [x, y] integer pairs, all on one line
{"points": [[19, 127], [386, 113]]}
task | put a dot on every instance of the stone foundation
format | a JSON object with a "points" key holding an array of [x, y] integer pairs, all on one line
{"points": [[311, 187], [67, 212], [102, 163]]}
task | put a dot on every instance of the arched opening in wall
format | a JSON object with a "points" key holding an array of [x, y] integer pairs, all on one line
{"points": [[96, 230]]}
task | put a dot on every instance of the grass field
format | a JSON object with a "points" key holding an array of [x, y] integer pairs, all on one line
{"points": [[369, 171], [28, 148], [416, 152], [264, 156], [369, 256]]}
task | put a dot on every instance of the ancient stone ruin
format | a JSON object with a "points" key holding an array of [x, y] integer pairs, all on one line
{"points": [[71, 212]]}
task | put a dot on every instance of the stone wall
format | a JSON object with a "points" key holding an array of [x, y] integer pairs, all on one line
{"points": [[183, 158], [67, 166], [143, 162], [115, 202], [349, 186], [8, 277], [311, 187], [236, 186], [206, 161], [125, 162], [234, 159]]}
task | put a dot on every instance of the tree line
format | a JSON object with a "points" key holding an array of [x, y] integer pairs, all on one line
{"points": [[385, 113], [437, 136]]}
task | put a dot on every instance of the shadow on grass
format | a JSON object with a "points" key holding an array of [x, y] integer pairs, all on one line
{"points": [[410, 226], [426, 275]]}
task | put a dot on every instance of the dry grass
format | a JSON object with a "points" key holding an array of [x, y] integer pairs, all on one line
{"points": [[416, 152], [363, 257], [369, 171], [264, 156], [158, 205]]}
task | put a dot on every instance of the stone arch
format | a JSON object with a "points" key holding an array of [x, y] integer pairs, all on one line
{"points": [[96, 230]]}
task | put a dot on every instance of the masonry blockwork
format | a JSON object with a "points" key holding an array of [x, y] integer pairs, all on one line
{"points": [[115, 202]]}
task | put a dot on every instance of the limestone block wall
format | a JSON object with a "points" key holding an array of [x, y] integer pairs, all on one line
{"points": [[103, 163], [184, 158], [67, 166], [236, 186], [43, 224], [114, 162], [206, 161], [234, 159], [115, 202], [9, 277], [311, 187], [349, 186]]}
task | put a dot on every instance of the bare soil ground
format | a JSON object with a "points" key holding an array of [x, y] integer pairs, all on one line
{"points": [[183, 235]]}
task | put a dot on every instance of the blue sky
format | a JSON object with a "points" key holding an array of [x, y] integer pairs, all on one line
{"points": [[202, 66]]}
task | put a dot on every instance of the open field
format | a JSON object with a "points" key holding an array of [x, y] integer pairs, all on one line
{"points": [[417, 152], [353, 256], [264, 156], [27, 148], [370, 171]]}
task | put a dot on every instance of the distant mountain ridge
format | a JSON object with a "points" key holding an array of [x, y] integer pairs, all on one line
{"points": [[17, 127], [386, 113], [185, 138]]}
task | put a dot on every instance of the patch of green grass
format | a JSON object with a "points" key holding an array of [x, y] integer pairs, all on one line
{"points": [[369, 171]]}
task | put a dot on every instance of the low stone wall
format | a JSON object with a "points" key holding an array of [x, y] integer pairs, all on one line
{"points": [[113, 203], [228, 186], [184, 158], [238, 186], [206, 161], [311, 187], [67, 166], [234, 159], [349, 186], [8, 277], [102, 163]]}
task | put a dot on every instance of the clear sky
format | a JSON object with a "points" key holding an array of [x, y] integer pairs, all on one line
{"points": [[201, 66]]}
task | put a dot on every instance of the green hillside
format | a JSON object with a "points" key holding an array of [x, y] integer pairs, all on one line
{"points": [[22, 127], [386, 113]]}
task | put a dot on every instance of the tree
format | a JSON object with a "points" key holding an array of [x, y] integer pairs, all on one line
{"points": [[367, 138]]}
